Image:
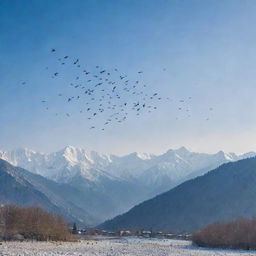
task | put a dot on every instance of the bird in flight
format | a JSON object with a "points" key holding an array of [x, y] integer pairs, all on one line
{"points": [[103, 95]]}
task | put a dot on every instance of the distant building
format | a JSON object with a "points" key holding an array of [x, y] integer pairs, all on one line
{"points": [[124, 233], [146, 233]]}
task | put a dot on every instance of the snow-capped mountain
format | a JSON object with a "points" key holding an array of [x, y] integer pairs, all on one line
{"points": [[149, 169], [60, 166], [108, 184]]}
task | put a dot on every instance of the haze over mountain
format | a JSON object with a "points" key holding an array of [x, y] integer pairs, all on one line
{"points": [[107, 185], [223, 194], [21, 187]]}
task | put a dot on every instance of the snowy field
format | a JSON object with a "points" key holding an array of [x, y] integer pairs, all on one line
{"points": [[115, 247]]}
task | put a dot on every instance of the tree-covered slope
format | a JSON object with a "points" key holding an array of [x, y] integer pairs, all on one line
{"points": [[225, 193]]}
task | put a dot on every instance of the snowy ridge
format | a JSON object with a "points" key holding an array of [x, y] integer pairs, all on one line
{"points": [[150, 169], [60, 166]]}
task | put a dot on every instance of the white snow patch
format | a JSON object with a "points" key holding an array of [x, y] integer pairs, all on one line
{"points": [[116, 247]]}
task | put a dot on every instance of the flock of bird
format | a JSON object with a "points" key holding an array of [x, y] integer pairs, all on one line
{"points": [[107, 95]]}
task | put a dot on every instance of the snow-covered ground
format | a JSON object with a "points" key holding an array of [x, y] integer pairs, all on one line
{"points": [[120, 247]]}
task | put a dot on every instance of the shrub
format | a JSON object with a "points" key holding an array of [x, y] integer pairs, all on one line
{"points": [[32, 223], [238, 234]]}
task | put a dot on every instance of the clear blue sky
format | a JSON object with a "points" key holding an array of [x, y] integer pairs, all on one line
{"points": [[207, 47]]}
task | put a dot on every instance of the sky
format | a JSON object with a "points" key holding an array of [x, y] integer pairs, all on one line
{"points": [[199, 52]]}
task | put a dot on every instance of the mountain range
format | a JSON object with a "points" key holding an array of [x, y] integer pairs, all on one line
{"points": [[102, 186], [224, 194]]}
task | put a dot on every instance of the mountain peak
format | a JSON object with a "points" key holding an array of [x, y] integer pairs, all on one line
{"points": [[25, 151], [227, 156], [70, 149], [182, 150]]}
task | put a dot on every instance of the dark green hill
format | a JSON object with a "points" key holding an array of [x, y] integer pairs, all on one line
{"points": [[223, 194]]}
